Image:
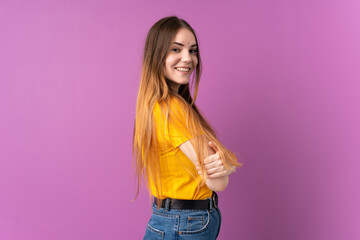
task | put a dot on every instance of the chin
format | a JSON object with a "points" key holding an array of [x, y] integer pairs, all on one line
{"points": [[184, 81]]}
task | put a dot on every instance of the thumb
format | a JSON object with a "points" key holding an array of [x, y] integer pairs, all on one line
{"points": [[214, 146]]}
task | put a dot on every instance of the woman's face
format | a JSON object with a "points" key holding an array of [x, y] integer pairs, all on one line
{"points": [[182, 59]]}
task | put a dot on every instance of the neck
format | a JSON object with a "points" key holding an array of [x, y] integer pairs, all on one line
{"points": [[174, 86]]}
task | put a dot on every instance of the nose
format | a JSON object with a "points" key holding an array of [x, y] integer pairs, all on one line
{"points": [[185, 57]]}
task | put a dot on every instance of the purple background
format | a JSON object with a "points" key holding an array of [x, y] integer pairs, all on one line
{"points": [[280, 85]]}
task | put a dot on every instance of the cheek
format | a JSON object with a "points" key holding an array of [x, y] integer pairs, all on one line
{"points": [[169, 63], [195, 61], [167, 66]]}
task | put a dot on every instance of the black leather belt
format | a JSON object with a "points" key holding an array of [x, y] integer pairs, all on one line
{"points": [[189, 204]]}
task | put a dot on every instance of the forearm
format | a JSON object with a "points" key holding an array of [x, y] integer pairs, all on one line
{"points": [[216, 179], [217, 184], [220, 183]]}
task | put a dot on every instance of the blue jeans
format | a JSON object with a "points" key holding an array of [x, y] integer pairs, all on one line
{"points": [[183, 224]]}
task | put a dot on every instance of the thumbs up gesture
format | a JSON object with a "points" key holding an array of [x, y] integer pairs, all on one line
{"points": [[213, 164]]}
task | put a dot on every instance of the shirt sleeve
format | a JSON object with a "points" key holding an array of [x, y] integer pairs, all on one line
{"points": [[173, 129]]}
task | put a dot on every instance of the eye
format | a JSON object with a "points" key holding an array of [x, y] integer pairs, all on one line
{"points": [[175, 50], [193, 51]]}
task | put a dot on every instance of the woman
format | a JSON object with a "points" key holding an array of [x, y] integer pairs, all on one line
{"points": [[176, 151]]}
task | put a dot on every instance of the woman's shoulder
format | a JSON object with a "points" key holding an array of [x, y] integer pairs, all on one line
{"points": [[174, 108], [173, 102], [178, 103]]}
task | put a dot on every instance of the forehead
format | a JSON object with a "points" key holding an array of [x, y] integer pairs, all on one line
{"points": [[185, 37]]}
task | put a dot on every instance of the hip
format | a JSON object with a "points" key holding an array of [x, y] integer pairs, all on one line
{"points": [[183, 224]]}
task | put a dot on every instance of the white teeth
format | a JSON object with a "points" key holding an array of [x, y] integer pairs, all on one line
{"points": [[183, 69]]}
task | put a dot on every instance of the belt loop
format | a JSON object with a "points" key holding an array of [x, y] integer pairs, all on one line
{"points": [[167, 204], [215, 199]]}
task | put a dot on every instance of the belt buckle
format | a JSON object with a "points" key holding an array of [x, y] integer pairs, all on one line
{"points": [[214, 200]]}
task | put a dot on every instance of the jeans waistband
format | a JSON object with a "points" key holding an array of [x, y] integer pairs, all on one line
{"points": [[170, 203]]}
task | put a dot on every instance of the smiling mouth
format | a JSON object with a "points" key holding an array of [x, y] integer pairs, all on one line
{"points": [[183, 69]]}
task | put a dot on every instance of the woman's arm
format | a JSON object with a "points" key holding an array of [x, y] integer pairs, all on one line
{"points": [[217, 175]]}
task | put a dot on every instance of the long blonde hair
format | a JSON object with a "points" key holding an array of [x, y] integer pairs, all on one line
{"points": [[154, 88]]}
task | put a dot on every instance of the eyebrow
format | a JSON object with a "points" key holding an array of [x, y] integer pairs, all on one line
{"points": [[194, 45]]}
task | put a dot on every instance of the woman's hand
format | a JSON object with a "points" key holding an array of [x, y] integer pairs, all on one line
{"points": [[217, 177], [214, 165]]}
